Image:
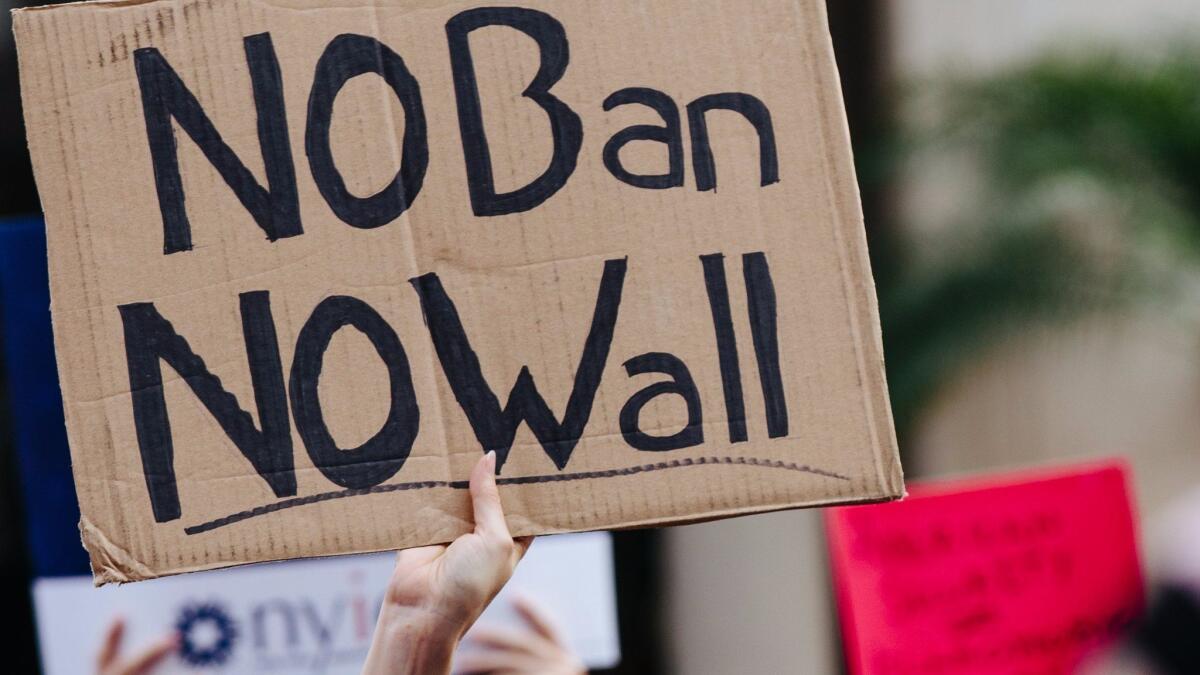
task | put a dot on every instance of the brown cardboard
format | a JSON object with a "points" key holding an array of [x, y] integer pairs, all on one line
{"points": [[534, 278]]}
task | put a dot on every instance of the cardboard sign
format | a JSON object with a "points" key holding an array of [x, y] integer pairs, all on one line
{"points": [[309, 259], [1017, 574], [274, 619]]}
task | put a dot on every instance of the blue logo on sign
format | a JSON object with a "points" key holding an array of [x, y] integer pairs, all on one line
{"points": [[206, 635]]}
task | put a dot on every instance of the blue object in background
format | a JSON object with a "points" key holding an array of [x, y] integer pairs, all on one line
{"points": [[39, 431]]}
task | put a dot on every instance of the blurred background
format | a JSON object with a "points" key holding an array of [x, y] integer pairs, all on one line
{"points": [[1029, 172]]}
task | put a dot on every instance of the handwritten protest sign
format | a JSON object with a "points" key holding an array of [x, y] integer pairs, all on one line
{"points": [[1016, 574], [310, 258]]}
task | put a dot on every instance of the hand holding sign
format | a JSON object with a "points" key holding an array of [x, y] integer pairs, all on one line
{"points": [[437, 592]]}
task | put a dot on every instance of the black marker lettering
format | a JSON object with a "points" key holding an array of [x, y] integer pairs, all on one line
{"points": [[150, 339], [382, 455], [681, 385], [727, 352], [760, 297], [670, 134], [164, 96], [347, 57], [495, 427], [565, 125], [749, 107]]}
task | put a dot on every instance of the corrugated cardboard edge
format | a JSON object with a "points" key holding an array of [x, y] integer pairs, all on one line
{"points": [[295, 4], [88, 3], [135, 571], [110, 563], [857, 278]]}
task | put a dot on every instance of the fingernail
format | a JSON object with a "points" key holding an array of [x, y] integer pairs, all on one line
{"points": [[491, 458]]}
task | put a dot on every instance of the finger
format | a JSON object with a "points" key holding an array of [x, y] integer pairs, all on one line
{"points": [[507, 640], [538, 619], [494, 662], [151, 656], [485, 499], [111, 645]]}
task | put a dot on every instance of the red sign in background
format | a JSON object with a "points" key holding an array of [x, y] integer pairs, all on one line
{"points": [[1021, 574]]}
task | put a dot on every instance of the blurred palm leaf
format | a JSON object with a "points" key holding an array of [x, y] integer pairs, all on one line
{"points": [[1084, 198]]}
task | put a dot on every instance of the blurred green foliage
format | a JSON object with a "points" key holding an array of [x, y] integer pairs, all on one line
{"points": [[1080, 192]]}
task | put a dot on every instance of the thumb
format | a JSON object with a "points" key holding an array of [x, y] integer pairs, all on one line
{"points": [[485, 499]]}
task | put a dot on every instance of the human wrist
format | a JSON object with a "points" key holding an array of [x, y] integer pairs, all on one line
{"points": [[415, 640], [421, 622]]}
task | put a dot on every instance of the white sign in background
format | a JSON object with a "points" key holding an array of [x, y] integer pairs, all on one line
{"points": [[308, 616]]}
